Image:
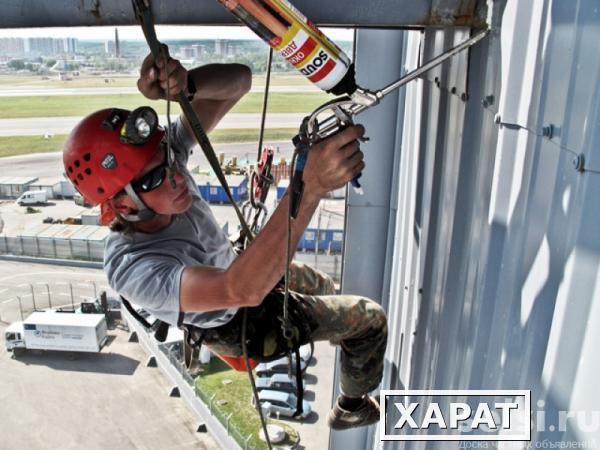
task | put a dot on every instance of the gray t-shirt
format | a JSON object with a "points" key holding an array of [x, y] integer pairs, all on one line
{"points": [[146, 268]]}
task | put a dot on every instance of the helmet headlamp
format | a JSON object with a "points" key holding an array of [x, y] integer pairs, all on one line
{"points": [[142, 127], [139, 126]]}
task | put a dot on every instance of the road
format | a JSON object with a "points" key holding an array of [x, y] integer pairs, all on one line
{"points": [[44, 286], [50, 164], [8, 91], [38, 126]]}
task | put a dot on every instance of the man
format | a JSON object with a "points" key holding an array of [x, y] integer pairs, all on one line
{"points": [[167, 253]]}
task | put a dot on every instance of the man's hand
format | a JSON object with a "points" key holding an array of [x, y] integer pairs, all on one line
{"points": [[334, 161], [153, 77]]}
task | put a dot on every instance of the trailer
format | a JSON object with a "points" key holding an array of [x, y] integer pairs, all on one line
{"points": [[53, 330]]}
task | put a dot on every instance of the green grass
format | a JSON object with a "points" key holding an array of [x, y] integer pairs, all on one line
{"points": [[52, 81], [232, 135], [81, 105], [23, 145], [124, 80], [236, 395]]}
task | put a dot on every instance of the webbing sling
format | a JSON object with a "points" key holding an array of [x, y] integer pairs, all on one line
{"points": [[161, 331], [144, 16]]}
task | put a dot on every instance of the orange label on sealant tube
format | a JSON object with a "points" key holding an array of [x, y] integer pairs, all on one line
{"points": [[312, 59], [296, 38]]}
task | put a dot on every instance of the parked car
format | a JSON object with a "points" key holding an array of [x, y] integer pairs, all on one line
{"points": [[284, 403], [306, 352], [278, 366], [277, 382]]}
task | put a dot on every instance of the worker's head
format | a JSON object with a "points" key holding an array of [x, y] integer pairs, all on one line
{"points": [[118, 159]]}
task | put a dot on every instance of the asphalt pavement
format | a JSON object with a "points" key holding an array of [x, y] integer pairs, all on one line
{"points": [[40, 126], [50, 164], [79, 400], [32, 91], [108, 399]]}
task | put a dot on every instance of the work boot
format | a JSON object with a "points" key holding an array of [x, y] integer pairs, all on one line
{"points": [[366, 414]]}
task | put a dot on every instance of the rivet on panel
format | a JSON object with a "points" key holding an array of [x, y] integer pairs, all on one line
{"points": [[578, 162], [548, 131], [488, 100]]}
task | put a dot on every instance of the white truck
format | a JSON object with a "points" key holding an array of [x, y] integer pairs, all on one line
{"points": [[51, 330], [33, 198]]}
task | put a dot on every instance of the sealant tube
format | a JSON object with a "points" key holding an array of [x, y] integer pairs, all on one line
{"points": [[299, 41]]}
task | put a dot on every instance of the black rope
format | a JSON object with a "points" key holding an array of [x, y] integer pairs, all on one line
{"points": [[265, 101], [285, 326], [261, 137], [252, 383]]}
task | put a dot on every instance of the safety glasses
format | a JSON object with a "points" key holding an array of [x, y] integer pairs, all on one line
{"points": [[153, 179]]}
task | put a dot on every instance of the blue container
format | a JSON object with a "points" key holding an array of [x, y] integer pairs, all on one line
{"points": [[330, 241], [213, 192]]}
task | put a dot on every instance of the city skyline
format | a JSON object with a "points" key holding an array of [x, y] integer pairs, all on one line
{"points": [[164, 32]]}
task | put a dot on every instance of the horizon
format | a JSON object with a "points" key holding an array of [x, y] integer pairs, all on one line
{"points": [[164, 32]]}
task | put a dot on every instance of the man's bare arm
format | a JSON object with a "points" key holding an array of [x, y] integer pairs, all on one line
{"points": [[331, 164], [218, 86]]}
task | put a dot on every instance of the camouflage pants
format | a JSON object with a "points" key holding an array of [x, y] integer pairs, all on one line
{"points": [[358, 325]]}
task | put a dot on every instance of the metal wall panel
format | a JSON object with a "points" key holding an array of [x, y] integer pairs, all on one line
{"points": [[368, 216], [495, 265]]}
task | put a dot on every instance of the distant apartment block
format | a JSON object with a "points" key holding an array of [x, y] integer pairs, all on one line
{"points": [[224, 48], [194, 51], [110, 48], [220, 47], [33, 47]]}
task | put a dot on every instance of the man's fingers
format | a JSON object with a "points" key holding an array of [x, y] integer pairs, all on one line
{"points": [[355, 158], [172, 66], [174, 92], [350, 149], [147, 64], [174, 86], [346, 136], [145, 84], [357, 170]]}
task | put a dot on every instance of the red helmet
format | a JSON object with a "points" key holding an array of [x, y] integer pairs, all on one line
{"points": [[108, 148]]}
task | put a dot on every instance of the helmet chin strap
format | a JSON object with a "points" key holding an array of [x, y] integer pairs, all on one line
{"points": [[143, 213]]}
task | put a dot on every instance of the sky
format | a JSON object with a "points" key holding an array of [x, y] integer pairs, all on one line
{"points": [[164, 32]]}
